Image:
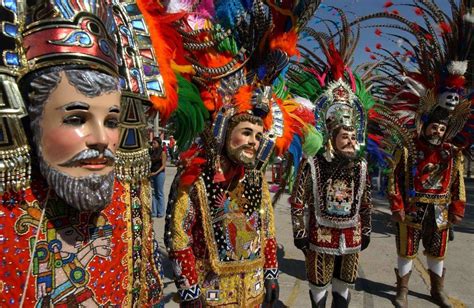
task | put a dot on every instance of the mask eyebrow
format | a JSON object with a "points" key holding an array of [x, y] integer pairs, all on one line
{"points": [[75, 106], [114, 109]]}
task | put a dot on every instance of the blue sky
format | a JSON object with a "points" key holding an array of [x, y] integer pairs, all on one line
{"points": [[355, 8]]}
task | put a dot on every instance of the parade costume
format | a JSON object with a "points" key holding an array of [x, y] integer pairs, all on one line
{"points": [[220, 228], [331, 204], [55, 254], [425, 124]]}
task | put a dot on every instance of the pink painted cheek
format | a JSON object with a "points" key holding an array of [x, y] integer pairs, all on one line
{"points": [[62, 143], [238, 140]]}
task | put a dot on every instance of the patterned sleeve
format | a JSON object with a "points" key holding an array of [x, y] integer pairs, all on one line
{"points": [[180, 245], [366, 208], [299, 200], [395, 180], [458, 190], [271, 263]]}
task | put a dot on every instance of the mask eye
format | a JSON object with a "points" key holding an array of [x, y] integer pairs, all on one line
{"points": [[449, 97]]}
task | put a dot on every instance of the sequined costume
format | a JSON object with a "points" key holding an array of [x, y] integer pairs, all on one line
{"points": [[80, 258], [54, 254], [337, 198], [438, 186], [423, 126], [223, 242], [221, 238], [331, 203]]}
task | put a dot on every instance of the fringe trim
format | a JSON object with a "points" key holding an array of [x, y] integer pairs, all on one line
{"points": [[16, 172], [132, 167]]}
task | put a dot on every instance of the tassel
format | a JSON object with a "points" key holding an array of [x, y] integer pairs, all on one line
{"points": [[219, 174], [15, 160]]}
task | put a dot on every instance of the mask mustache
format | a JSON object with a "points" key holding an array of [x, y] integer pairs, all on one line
{"points": [[247, 147], [89, 154]]}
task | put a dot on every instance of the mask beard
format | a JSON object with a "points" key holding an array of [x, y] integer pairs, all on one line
{"points": [[89, 193], [347, 155], [434, 140], [238, 156]]}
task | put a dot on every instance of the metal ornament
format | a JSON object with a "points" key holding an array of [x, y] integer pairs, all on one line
{"points": [[140, 78]]}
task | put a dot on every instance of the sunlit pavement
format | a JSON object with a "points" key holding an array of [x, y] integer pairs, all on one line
{"points": [[376, 284]]}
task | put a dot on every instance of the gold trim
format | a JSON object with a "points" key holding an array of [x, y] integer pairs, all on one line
{"points": [[147, 243], [431, 200], [217, 266], [73, 58], [128, 239], [460, 173]]}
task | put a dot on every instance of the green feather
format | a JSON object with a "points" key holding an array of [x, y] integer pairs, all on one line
{"points": [[190, 118], [307, 85], [365, 98], [313, 141], [229, 44], [280, 89]]}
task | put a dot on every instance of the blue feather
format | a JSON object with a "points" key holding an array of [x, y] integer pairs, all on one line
{"points": [[377, 153], [227, 12], [296, 150]]}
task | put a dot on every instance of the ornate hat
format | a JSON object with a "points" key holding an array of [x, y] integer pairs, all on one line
{"points": [[15, 159], [338, 95], [77, 33], [141, 82], [421, 79]]}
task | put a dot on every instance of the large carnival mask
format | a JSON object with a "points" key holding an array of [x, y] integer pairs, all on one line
{"points": [[76, 133], [243, 141], [345, 142], [434, 133], [449, 100]]}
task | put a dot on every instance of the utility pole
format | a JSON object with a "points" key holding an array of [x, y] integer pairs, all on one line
{"points": [[470, 78], [156, 124]]}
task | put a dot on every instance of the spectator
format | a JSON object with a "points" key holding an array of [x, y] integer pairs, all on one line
{"points": [[158, 164]]}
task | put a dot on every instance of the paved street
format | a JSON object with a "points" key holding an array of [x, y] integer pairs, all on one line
{"points": [[376, 284]]}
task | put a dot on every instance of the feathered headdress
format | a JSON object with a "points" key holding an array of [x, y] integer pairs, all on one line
{"points": [[423, 81], [338, 95], [232, 51]]}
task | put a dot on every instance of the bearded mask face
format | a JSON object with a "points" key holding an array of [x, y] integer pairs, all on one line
{"points": [[76, 139], [346, 143], [243, 142], [434, 133]]}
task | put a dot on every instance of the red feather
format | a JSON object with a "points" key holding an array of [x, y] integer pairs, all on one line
{"points": [[373, 57], [455, 81], [445, 28], [192, 163], [395, 12], [378, 46], [388, 4], [335, 62], [367, 49], [418, 11], [378, 32], [415, 27]]}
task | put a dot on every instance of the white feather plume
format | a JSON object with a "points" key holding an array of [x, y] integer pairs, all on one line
{"points": [[469, 18], [457, 67]]}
